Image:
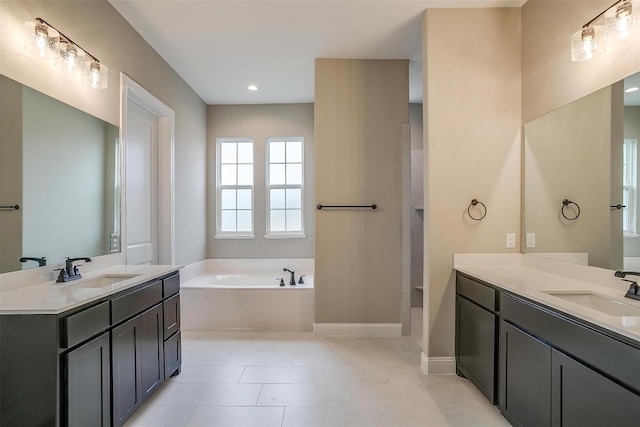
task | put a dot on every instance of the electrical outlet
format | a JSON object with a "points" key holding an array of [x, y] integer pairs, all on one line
{"points": [[531, 240], [511, 240]]}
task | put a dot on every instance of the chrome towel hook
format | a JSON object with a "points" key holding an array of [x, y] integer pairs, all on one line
{"points": [[476, 202], [566, 203]]}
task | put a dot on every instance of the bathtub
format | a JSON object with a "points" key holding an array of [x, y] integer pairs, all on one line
{"points": [[246, 294]]}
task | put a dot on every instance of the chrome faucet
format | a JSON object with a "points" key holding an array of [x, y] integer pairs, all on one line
{"points": [[292, 282], [70, 271], [634, 290]]}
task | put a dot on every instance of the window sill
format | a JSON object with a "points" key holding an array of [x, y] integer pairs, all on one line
{"points": [[234, 236], [286, 236], [632, 236]]}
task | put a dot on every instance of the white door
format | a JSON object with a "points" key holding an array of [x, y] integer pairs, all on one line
{"points": [[141, 185]]}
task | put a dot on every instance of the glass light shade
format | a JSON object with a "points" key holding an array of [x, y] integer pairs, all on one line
{"points": [[70, 57], [40, 39], [621, 23], [587, 43], [95, 75]]}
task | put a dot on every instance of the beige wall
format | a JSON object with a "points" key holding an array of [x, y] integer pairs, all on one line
{"points": [[98, 27], [260, 122], [472, 124], [360, 106], [567, 155], [549, 78]]}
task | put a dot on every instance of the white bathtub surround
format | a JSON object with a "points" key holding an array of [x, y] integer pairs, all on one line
{"points": [[245, 294]]}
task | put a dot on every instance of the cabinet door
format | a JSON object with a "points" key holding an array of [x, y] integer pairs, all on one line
{"points": [[126, 355], [171, 309], [152, 350], [525, 378], [476, 346], [173, 355], [88, 382], [583, 397]]}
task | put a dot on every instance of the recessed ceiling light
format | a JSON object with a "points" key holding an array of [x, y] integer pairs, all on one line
{"points": [[632, 89], [252, 87]]}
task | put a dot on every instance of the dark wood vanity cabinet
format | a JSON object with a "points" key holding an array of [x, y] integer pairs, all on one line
{"points": [[91, 366], [551, 369], [558, 371], [476, 334]]}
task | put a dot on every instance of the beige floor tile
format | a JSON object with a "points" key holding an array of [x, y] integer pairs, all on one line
{"points": [[278, 375], [294, 379], [212, 416]]}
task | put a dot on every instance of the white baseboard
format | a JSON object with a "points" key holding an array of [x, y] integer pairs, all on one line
{"points": [[357, 329], [437, 365]]}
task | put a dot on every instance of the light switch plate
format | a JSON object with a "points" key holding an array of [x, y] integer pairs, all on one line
{"points": [[511, 240], [531, 240]]}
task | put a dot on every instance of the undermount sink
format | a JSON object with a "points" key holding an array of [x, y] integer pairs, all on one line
{"points": [[102, 281], [597, 302]]}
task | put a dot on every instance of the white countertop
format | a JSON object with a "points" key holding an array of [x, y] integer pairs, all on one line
{"points": [[55, 298], [532, 277]]}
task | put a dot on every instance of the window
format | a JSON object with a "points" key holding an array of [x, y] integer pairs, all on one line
{"points": [[629, 187], [285, 176], [235, 188]]}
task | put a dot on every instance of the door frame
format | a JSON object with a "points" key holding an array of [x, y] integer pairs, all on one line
{"points": [[130, 91]]}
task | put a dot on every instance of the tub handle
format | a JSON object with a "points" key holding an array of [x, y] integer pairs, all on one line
{"points": [[300, 281], [281, 280]]}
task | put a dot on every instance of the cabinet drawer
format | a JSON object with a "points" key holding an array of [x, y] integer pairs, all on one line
{"points": [[477, 292], [610, 356], [135, 302], [171, 312], [172, 355], [84, 324], [171, 286]]}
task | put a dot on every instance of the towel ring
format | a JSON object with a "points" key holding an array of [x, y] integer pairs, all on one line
{"points": [[567, 202], [476, 202]]}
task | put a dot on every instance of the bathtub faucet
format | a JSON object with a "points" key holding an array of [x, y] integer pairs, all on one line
{"points": [[292, 282]]}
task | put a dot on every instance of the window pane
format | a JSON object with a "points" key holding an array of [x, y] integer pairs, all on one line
{"points": [[228, 199], [276, 152], [276, 198], [276, 174], [244, 199], [244, 221], [294, 174], [245, 174], [294, 220], [228, 175], [228, 221], [227, 152], [294, 151], [245, 152], [294, 198], [278, 220]]}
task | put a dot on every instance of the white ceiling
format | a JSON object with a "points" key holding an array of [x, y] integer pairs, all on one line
{"points": [[220, 47]]}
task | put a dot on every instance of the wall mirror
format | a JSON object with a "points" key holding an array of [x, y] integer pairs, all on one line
{"points": [[61, 167], [585, 154]]}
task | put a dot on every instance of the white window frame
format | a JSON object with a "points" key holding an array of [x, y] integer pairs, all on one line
{"points": [[219, 187], [629, 185], [283, 234]]}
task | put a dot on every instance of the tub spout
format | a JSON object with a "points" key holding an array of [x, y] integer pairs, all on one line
{"points": [[292, 282]]}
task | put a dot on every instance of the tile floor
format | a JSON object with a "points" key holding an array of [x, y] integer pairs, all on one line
{"points": [[286, 379]]}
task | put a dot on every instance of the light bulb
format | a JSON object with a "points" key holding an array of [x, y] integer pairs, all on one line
{"points": [[40, 39], [70, 57], [621, 25], [586, 43], [96, 75]]}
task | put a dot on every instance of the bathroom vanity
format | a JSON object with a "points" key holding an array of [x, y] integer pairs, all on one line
{"points": [[545, 346], [88, 353]]}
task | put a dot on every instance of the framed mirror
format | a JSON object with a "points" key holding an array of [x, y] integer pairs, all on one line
{"points": [[581, 179], [61, 166]]}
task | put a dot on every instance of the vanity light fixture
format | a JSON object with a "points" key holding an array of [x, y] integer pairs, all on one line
{"points": [[616, 22], [46, 41]]}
